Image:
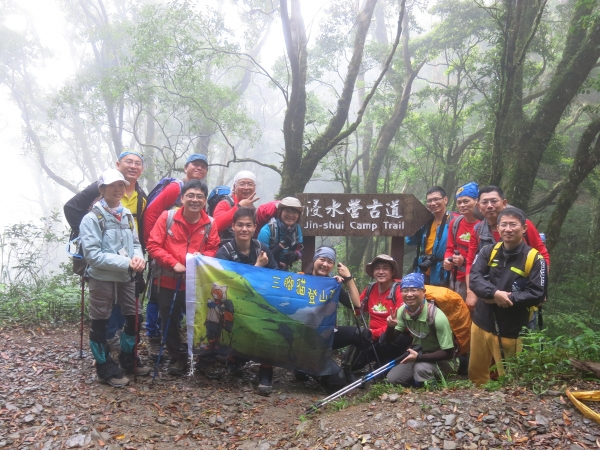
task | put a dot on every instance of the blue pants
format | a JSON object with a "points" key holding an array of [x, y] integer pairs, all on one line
{"points": [[152, 319], [115, 322]]}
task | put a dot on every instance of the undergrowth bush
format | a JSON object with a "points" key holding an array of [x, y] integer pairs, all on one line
{"points": [[56, 300], [544, 361]]}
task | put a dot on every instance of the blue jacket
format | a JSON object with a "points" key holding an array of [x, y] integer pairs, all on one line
{"points": [[264, 235], [101, 248], [437, 274]]}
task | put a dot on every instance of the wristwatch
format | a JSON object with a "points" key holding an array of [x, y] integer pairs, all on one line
{"points": [[346, 279]]}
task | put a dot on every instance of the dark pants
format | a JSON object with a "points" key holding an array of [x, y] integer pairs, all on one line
{"points": [[173, 340], [345, 336], [379, 353]]}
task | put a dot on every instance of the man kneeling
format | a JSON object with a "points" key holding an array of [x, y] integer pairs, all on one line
{"points": [[437, 356]]}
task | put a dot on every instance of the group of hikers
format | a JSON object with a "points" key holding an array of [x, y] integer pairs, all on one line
{"points": [[477, 280]]}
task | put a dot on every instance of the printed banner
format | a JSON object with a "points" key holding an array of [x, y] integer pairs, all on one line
{"points": [[268, 316]]}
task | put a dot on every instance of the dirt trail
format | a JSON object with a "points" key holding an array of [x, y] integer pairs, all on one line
{"points": [[49, 398]]}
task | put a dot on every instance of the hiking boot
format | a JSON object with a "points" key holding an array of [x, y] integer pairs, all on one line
{"points": [[178, 366], [127, 365], [265, 381], [209, 372], [153, 346], [350, 377], [111, 374], [118, 382], [301, 376], [235, 369]]}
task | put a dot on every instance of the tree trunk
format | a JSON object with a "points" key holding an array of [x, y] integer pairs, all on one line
{"points": [[150, 172], [586, 160], [578, 59], [298, 169]]}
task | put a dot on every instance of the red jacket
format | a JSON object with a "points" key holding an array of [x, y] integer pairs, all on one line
{"points": [[164, 201], [379, 307], [462, 243], [172, 248], [224, 212]]}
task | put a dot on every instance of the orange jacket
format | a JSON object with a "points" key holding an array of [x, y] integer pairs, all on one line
{"points": [[171, 248]]}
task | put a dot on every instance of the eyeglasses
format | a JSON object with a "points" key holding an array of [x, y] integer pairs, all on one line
{"points": [[493, 201], [246, 185], [194, 196], [409, 290], [131, 162], [434, 200], [509, 225]]}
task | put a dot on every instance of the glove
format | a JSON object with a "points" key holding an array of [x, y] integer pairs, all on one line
{"points": [[291, 257], [286, 241]]}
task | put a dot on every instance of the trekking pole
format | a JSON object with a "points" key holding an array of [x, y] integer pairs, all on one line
{"points": [[455, 270], [164, 337], [137, 329], [365, 324], [497, 327], [81, 318], [368, 377]]}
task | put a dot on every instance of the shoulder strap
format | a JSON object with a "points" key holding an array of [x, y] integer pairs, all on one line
{"points": [[130, 221], [207, 229], [273, 230], [531, 257], [455, 225], [231, 254], [438, 236], [170, 216], [393, 289], [368, 294], [431, 310], [100, 217], [493, 254], [258, 247]]}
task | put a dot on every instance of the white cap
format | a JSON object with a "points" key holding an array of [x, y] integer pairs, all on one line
{"points": [[243, 175], [110, 176]]}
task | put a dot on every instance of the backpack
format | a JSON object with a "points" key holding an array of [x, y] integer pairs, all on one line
{"points": [[162, 184], [532, 255], [217, 195], [232, 254], [265, 213], [79, 264], [455, 225], [455, 309], [393, 289], [274, 230]]}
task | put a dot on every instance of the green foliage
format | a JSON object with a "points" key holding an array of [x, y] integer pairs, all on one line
{"points": [[30, 292], [339, 404], [56, 300], [544, 360], [382, 387]]}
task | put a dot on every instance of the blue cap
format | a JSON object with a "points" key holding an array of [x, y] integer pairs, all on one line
{"points": [[126, 152], [471, 189], [413, 280], [325, 252], [196, 157]]}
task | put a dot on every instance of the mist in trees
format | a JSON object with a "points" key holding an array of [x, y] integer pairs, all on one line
{"points": [[369, 96]]}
